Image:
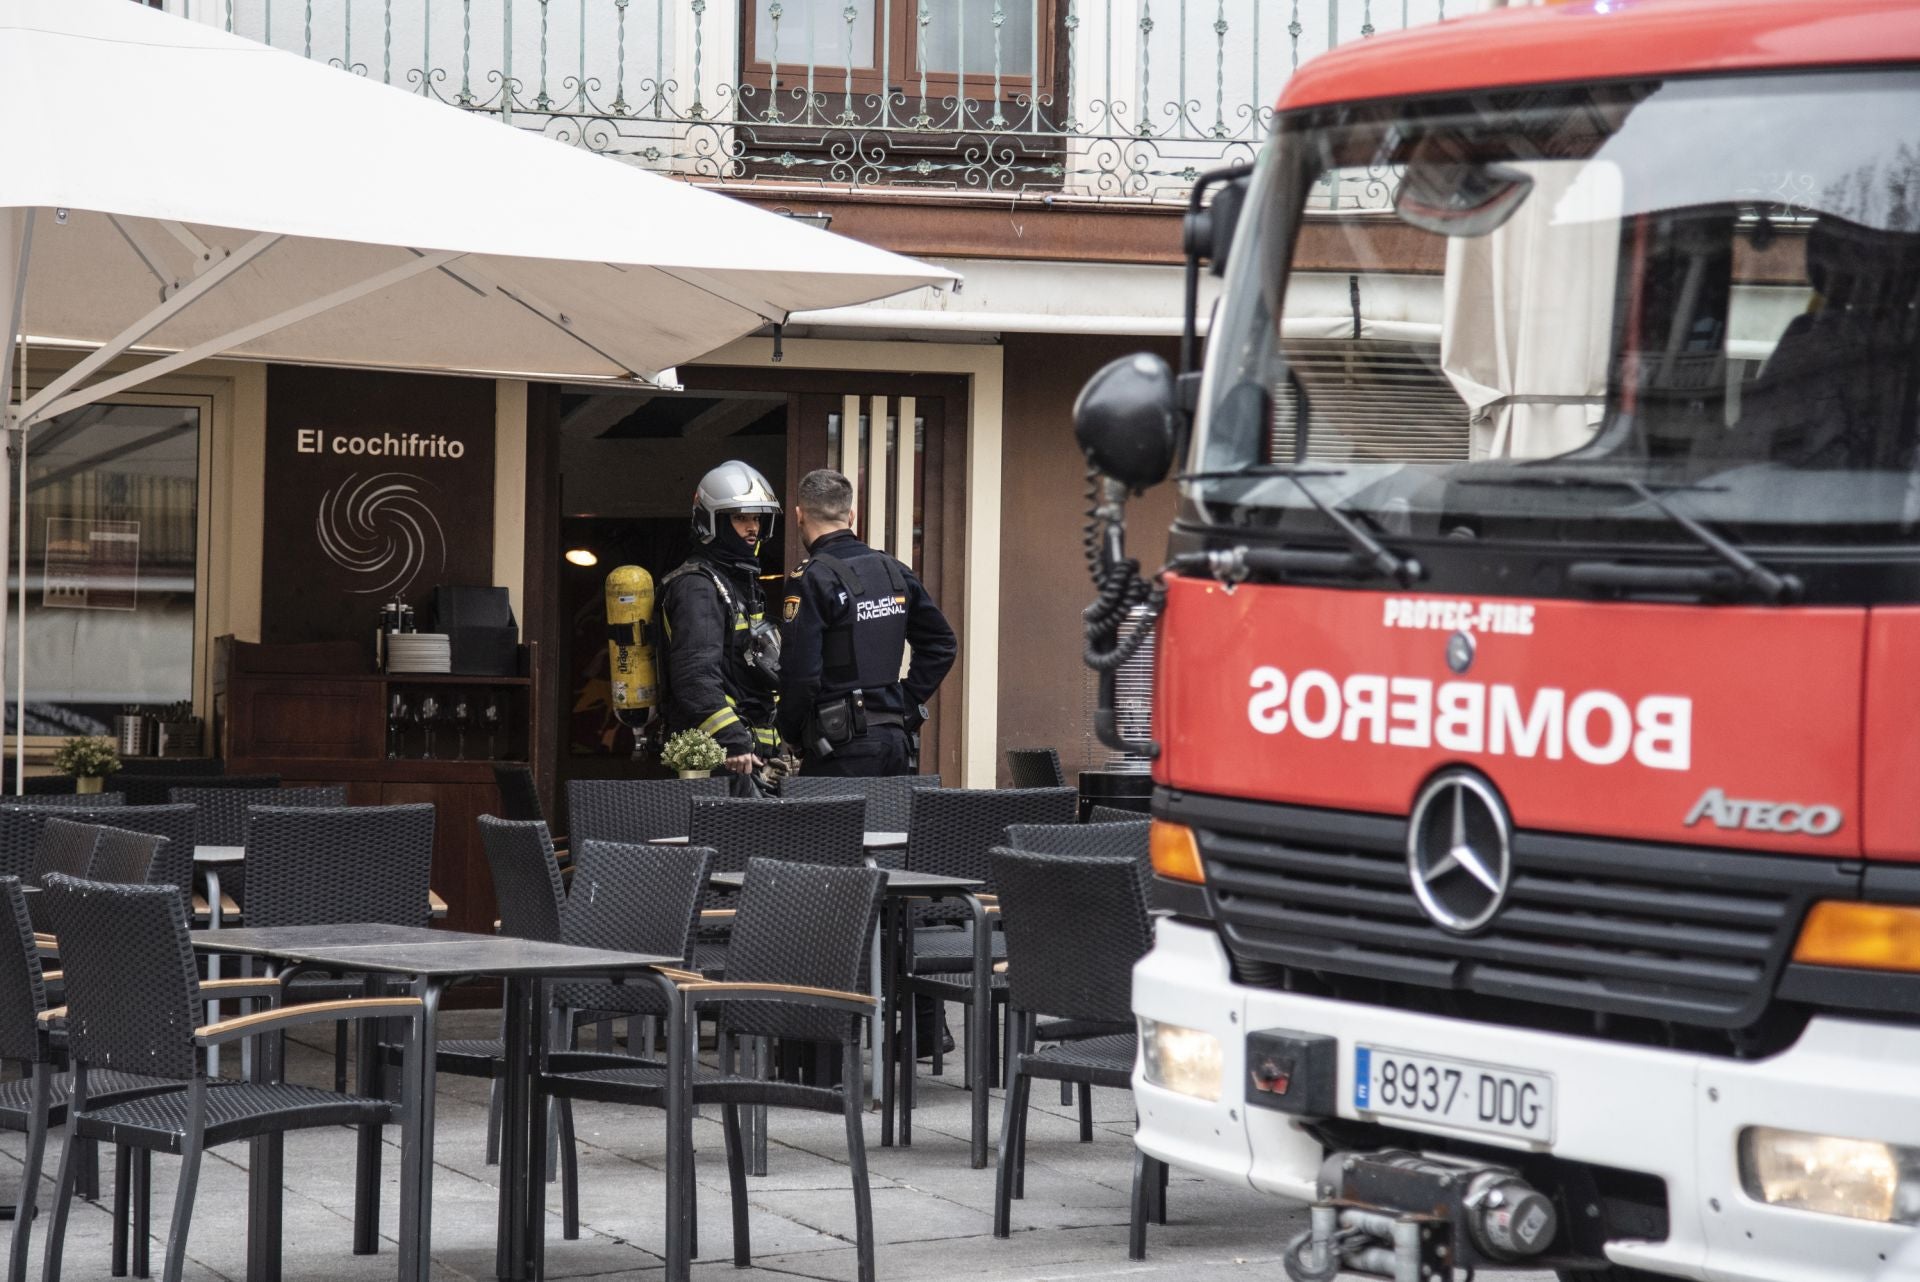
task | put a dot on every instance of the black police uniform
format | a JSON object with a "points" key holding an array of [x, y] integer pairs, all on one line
{"points": [[848, 613], [709, 685]]}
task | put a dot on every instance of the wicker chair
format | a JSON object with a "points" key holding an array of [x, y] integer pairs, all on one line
{"points": [[519, 795], [20, 827], [64, 845], [1035, 768], [1112, 840], [134, 999], [632, 899], [224, 804], [1059, 967], [634, 810], [951, 831], [124, 858], [223, 815], [786, 983], [627, 898], [179, 824], [36, 797], [321, 866], [824, 830], [144, 788], [1115, 815], [889, 797], [38, 1100]]}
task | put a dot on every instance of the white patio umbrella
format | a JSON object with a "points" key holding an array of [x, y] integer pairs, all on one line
{"points": [[169, 188]]}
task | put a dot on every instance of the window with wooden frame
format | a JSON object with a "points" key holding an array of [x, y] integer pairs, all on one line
{"points": [[941, 66]]}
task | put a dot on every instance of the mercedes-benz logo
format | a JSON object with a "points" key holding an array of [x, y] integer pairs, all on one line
{"points": [[1460, 851]]}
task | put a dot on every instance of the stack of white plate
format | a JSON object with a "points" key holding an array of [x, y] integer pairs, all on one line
{"points": [[419, 652]]}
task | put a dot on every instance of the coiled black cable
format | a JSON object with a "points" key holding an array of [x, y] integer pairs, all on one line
{"points": [[1118, 587]]}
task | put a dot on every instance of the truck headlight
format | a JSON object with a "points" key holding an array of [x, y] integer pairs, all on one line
{"points": [[1860, 1179], [1184, 1060]]}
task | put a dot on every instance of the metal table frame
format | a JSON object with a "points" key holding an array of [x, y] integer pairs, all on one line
{"points": [[431, 961]]}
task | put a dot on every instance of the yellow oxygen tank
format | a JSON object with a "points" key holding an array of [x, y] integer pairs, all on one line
{"points": [[635, 680]]}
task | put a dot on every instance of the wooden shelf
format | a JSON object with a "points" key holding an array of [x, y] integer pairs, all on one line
{"points": [[448, 679], [331, 728]]}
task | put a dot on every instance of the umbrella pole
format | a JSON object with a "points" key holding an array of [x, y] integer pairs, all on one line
{"points": [[16, 224], [20, 635]]}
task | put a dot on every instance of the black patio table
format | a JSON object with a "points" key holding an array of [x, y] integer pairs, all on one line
{"points": [[433, 960], [901, 886]]}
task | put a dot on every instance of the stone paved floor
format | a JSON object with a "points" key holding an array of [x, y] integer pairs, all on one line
{"points": [[932, 1212]]}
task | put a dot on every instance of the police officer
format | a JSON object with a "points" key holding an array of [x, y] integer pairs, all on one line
{"points": [[849, 614], [722, 654]]}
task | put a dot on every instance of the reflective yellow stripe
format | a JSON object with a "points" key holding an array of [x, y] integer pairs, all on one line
{"points": [[769, 737], [720, 720], [739, 624]]}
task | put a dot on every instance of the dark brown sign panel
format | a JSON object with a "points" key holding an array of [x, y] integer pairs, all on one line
{"points": [[377, 486]]}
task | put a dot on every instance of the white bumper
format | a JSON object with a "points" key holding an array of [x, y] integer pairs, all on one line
{"points": [[1663, 1113]]}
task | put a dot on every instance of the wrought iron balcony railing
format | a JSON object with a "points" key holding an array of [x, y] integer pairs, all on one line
{"points": [[1115, 99]]}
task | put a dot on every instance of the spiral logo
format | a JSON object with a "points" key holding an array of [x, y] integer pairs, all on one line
{"points": [[380, 528]]}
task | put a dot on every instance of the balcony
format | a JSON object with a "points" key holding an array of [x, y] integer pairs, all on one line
{"points": [[1126, 100]]}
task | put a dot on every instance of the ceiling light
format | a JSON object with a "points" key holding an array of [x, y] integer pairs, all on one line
{"points": [[582, 557]]}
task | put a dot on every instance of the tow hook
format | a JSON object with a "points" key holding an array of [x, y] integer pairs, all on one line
{"points": [[1413, 1217]]}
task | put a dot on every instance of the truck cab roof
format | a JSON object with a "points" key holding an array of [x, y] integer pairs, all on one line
{"points": [[1601, 40]]}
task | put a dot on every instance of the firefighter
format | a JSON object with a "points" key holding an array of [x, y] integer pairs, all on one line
{"points": [[722, 654], [849, 614]]}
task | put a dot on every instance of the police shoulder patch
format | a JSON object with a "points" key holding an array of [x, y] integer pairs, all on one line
{"points": [[800, 571], [792, 608]]}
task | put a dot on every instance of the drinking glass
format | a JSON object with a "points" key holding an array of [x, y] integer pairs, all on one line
{"points": [[398, 714], [429, 717], [462, 717], [490, 715]]}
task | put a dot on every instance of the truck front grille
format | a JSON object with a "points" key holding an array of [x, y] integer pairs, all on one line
{"points": [[1672, 933]]}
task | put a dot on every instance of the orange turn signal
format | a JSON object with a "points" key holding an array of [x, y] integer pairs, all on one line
{"points": [[1843, 933], [1176, 855]]}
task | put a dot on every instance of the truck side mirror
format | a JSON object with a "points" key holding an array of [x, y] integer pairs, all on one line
{"points": [[1208, 233], [1127, 420]]}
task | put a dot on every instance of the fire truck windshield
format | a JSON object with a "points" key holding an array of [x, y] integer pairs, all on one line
{"points": [[1517, 315]]}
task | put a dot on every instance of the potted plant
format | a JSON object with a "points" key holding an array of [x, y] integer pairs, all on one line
{"points": [[89, 759], [694, 753]]}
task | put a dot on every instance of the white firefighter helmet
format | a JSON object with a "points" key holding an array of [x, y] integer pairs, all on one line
{"points": [[732, 487]]}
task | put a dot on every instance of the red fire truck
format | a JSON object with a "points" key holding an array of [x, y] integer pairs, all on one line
{"points": [[1536, 725]]}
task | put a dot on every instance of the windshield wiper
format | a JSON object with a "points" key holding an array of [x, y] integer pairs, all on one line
{"points": [[1748, 575], [1369, 558]]}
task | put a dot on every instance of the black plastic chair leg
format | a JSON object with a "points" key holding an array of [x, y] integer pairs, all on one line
{"points": [[183, 1193], [939, 1045], [142, 1211], [1160, 1198], [737, 1185], [857, 1158], [63, 1193], [122, 1209], [492, 1157], [31, 1163], [909, 1062], [569, 1173], [1086, 1113], [1066, 1093], [1009, 1143], [88, 1176]]}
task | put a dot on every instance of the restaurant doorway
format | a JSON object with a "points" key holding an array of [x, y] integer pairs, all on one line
{"points": [[626, 463]]}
